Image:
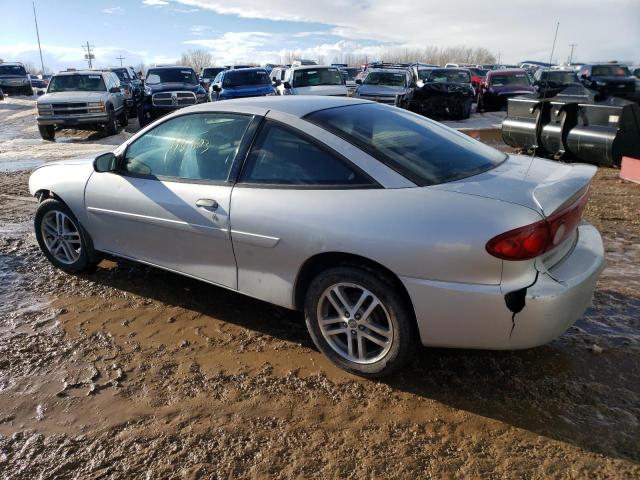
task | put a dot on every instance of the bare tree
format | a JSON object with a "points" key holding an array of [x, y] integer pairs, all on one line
{"points": [[30, 68], [196, 59]]}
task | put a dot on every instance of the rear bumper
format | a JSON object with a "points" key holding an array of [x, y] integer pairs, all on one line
{"points": [[476, 316]]}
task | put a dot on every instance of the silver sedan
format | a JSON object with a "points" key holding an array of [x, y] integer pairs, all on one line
{"points": [[387, 229]]}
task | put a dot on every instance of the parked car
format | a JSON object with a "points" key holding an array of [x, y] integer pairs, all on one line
{"points": [[608, 79], [477, 77], [393, 86], [387, 229], [1, 94], [208, 74], [499, 85], [167, 89], [14, 79], [85, 99], [550, 82], [131, 88], [277, 76], [350, 74], [314, 80], [247, 82], [445, 93], [38, 82]]}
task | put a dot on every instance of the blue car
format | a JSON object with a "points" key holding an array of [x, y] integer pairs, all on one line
{"points": [[243, 82]]}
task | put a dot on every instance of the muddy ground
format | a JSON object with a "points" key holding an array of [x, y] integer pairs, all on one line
{"points": [[133, 372]]}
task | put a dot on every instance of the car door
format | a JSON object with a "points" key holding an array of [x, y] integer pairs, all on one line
{"points": [[293, 192], [168, 203]]}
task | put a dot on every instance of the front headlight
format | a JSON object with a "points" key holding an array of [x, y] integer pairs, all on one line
{"points": [[45, 109], [601, 84], [96, 107]]}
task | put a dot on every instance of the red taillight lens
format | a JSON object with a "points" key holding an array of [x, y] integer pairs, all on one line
{"points": [[533, 240]]}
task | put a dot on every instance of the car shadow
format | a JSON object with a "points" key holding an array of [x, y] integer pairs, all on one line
{"points": [[568, 390], [14, 107]]}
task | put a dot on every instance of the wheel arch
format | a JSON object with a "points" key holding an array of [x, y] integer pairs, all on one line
{"points": [[326, 260]]}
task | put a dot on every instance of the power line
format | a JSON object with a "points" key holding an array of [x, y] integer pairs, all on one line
{"points": [[38, 35], [89, 56], [121, 58]]}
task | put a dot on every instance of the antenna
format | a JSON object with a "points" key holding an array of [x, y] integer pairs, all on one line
{"points": [[572, 45], [120, 58], [553, 48], [38, 35], [89, 56]]}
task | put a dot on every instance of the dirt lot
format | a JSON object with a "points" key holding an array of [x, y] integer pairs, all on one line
{"points": [[132, 372]]}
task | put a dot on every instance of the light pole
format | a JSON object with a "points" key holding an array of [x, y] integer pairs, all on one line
{"points": [[572, 45]]}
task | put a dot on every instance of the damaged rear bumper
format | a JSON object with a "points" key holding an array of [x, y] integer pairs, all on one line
{"points": [[476, 316]]}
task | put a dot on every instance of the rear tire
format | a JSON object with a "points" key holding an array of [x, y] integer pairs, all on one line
{"points": [[47, 132], [142, 117], [374, 335], [124, 118], [62, 239]]}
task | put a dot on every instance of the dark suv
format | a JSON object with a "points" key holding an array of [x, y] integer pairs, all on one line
{"points": [[14, 79], [445, 93], [608, 79], [167, 89], [208, 74], [132, 88]]}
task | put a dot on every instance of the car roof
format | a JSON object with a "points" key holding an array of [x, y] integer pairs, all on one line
{"points": [[389, 70], [171, 67], [509, 71], [296, 105], [83, 72], [250, 69], [312, 67]]}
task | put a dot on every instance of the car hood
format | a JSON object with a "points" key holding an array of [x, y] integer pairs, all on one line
{"points": [[71, 97], [172, 87], [381, 90], [247, 90], [536, 183], [320, 90]]}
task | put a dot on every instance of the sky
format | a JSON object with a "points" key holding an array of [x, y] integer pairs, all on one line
{"points": [[239, 31]]}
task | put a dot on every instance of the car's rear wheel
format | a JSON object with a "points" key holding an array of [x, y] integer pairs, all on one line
{"points": [[124, 118], [61, 237], [143, 121], [47, 132], [359, 320]]}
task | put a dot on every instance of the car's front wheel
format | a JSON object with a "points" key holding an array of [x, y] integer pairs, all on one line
{"points": [[61, 237], [47, 132], [359, 320]]}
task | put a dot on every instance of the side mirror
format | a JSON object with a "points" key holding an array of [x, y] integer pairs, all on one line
{"points": [[359, 81], [106, 162], [215, 88], [114, 90], [287, 85]]}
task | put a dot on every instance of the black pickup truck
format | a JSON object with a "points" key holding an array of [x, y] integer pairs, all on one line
{"points": [[609, 79], [132, 88], [167, 89]]}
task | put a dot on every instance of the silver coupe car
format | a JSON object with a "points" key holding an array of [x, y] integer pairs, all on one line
{"points": [[387, 229]]}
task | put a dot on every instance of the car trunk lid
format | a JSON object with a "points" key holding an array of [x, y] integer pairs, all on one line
{"points": [[542, 185]]}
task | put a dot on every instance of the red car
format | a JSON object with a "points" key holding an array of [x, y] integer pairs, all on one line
{"points": [[499, 85], [477, 77]]}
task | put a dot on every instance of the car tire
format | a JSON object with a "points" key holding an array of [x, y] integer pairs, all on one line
{"points": [[466, 109], [124, 118], [384, 316], [28, 91], [111, 127], [62, 239], [47, 132], [142, 117]]}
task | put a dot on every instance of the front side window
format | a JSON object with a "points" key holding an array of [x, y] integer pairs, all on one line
{"points": [[317, 76], [425, 152], [280, 156], [391, 79], [73, 83], [192, 147]]}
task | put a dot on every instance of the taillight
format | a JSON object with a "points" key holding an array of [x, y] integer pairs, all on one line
{"points": [[530, 241]]}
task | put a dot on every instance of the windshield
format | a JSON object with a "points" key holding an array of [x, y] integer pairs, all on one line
{"points": [[170, 75], [480, 72], [350, 73], [424, 151], [81, 83], [121, 73], [501, 80], [237, 78], [423, 73], [211, 72], [317, 76], [558, 77], [12, 70], [449, 76], [391, 79], [610, 71]]}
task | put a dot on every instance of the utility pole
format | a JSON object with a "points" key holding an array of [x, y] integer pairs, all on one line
{"points": [[572, 45], [38, 35], [120, 58], [89, 56]]}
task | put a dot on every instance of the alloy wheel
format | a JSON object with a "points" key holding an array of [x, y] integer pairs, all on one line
{"points": [[61, 237], [355, 323]]}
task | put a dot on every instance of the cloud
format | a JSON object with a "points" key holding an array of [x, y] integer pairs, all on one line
{"points": [[113, 10], [236, 46], [155, 3], [199, 29], [518, 30]]}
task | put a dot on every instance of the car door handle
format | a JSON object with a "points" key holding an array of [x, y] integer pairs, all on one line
{"points": [[207, 203]]}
